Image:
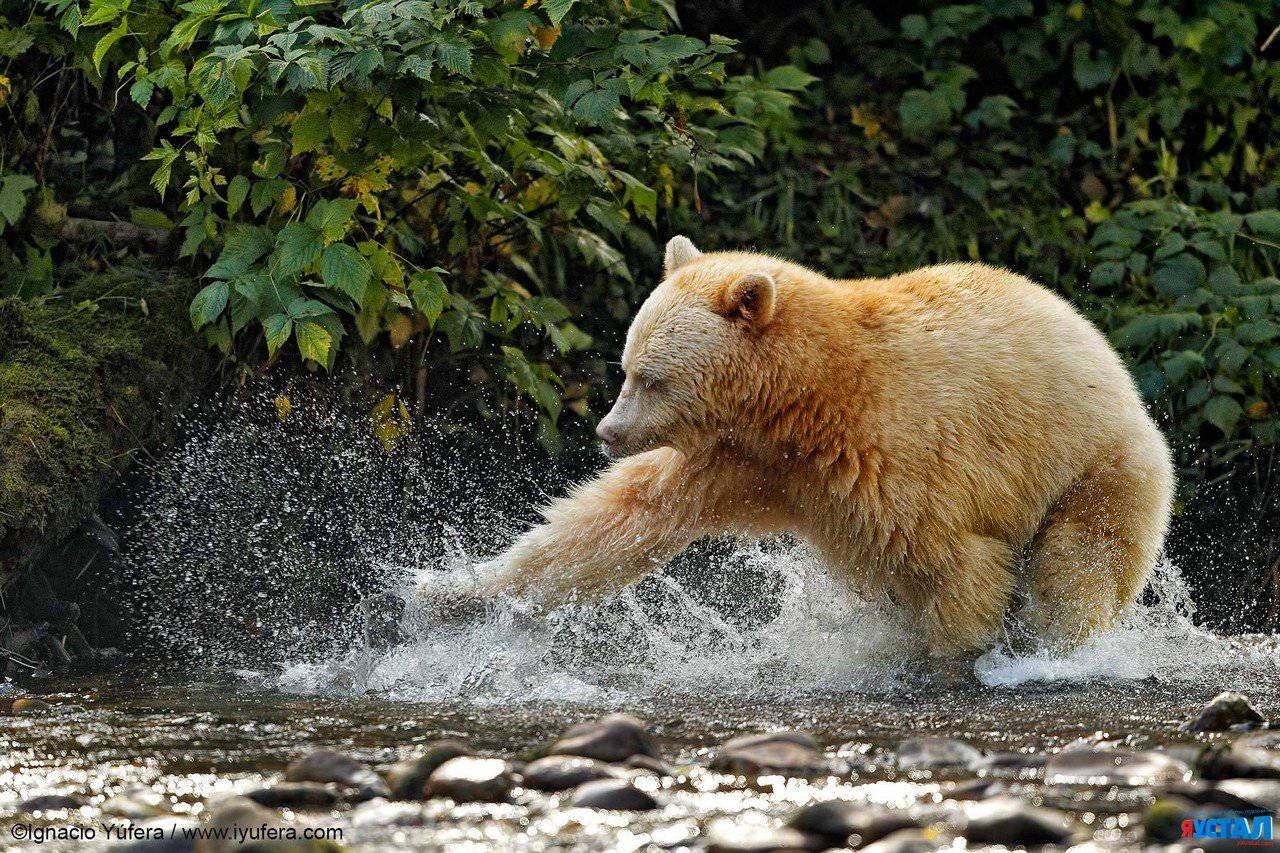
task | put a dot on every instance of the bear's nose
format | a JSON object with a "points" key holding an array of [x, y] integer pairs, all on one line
{"points": [[607, 432]]}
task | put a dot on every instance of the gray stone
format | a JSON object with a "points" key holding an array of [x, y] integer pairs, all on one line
{"points": [[50, 803], [408, 779], [785, 753], [1007, 763], [905, 841], [936, 753], [616, 737], [1263, 794], [233, 812], [976, 789], [615, 794], [1012, 822], [1226, 710], [649, 763], [472, 780], [725, 836], [380, 812], [1115, 767], [562, 772], [845, 822], [1251, 757], [325, 765], [294, 795]]}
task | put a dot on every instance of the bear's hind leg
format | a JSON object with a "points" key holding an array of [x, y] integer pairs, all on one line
{"points": [[961, 599], [1099, 543]]}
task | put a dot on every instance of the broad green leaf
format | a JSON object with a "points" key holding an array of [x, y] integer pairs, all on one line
{"points": [[1179, 275], [556, 10], [276, 329], [237, 192], [1224, 412], [13, 197], [208, 304], [298, 245], [107, 41], [428, 292], [1265, 223], [242, 250], [346, 270], [314, 341]]}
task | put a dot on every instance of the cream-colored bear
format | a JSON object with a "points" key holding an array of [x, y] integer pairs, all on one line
{"points": [[937, 436]]}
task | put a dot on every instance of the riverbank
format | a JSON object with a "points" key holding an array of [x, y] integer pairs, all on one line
{"points": [[89, 378]]}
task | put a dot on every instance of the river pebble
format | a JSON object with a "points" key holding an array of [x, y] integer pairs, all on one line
{"points": [[616, 794], [906, 841], [294, 795], [325, 765], [380, 812], [50, 803], [562, 772], [407, 779], [785, 753], [1225, 711], [1115, 767], [1251, 757], [936, 753], [842, 821], [467, 779], [727, 836], [1012, 822], [616, 737]]}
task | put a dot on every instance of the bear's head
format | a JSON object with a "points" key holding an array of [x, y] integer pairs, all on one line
{"points": [[693, 352]]}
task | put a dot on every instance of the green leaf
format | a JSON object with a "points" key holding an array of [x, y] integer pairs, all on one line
{"points": [[556, 10], [346, 269], [208, 304], [596, 106], [13, 197], [788, 78], [277, 328], [1265, 223], [1223, 412], [454, 54], [298, 245], [314, 341], [331, 217], [106, 42], [237, 192], [1179, 275], [242, 250], [310, 131], [428, 292]]}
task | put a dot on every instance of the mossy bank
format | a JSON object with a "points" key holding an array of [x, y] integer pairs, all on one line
{"points": [[88, 378]]}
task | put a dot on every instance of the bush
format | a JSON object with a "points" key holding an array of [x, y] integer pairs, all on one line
{"points": [[456, 178]]}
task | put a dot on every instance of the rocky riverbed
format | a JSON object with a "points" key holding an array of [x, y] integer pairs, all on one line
{"points": [[137, 763]]}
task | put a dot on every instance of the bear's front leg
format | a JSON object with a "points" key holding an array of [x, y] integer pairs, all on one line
{"points": [[610, 531]]}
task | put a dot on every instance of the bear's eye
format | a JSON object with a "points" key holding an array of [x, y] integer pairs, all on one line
{"points": [[650, 382]]}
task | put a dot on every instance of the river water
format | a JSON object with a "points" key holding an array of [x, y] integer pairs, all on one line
{"points": [[260, 582]]}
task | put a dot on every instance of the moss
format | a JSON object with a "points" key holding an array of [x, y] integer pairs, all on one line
{"points": [[85, 380]]}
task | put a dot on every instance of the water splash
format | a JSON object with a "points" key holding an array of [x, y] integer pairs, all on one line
{"points": [[273, 548]]}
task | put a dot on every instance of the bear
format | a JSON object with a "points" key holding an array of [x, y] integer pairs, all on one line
{"points": [[945, 437]]}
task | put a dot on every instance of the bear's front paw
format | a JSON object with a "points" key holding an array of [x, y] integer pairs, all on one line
{"points": [[448, 600]]}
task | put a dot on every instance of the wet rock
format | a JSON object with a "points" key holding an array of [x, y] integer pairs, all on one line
{"points": [[1114, 767], [615, 794], [905, 841], [231, 813], [50, 803], [1162, 820], [1226, 710], [294, 795], [936, 753], [26, 705], [843, 822], [137, 802], [725, 836], [616, 737], [1012, 822], [649, 763], [408, 779], [1020, 763], [976, 789], [1262, 794], [324, 765], [786, 753], [1205, 794], [472, 780], [380, 812], [1251, 757], [562, 772]]}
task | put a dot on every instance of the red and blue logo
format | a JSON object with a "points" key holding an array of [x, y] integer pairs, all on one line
{"points": [[1245, 827]]}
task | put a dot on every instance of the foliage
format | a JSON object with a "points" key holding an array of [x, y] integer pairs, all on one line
{"points": [[456, 178], [1121, 151]]}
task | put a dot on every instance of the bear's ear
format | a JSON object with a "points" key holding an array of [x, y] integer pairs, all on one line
{"points": [[751, 299], [680, 250]]}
